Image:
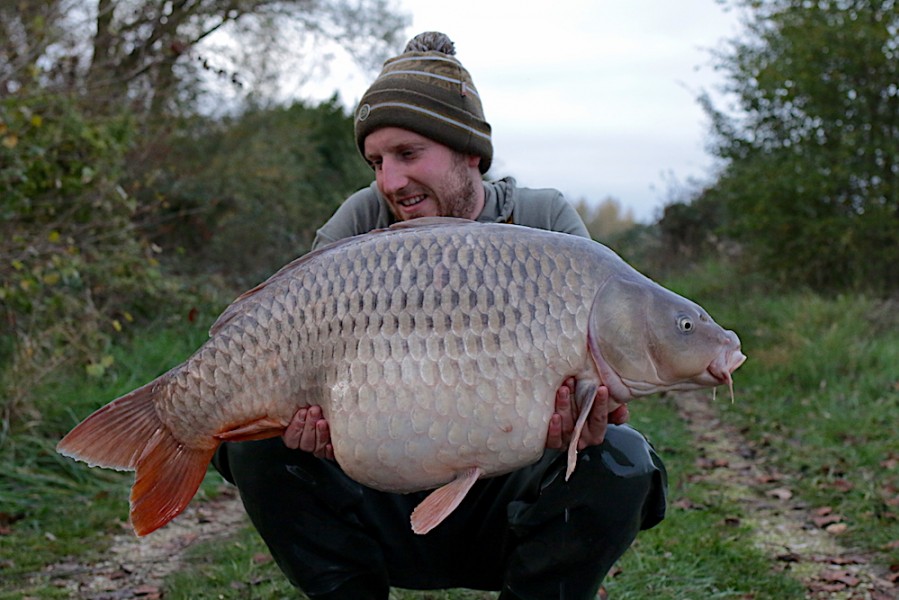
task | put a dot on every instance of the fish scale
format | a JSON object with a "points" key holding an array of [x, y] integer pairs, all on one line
{"points": [[435, 350]]}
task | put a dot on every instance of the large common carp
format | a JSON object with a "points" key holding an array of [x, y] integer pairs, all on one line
{"points": [[434, 348]]}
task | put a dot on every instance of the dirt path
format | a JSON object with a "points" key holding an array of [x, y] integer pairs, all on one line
{"points": [[798, 539], [136, 567]]}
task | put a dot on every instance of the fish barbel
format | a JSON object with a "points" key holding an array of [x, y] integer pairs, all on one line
{"points": [[435, 349]]}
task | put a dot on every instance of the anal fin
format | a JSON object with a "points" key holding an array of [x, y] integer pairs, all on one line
{"points": [[442, 501]]}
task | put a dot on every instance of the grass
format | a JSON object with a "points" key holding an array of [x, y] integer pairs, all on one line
{"points": [[60, 508], [822, 390], [819, 398], [696, 552]]}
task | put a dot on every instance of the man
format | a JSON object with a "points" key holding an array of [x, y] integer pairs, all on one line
{"points": [[530, 533]]}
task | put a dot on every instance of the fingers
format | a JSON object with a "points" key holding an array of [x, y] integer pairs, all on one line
{"points": [[554, 435], [561, 424], [564, 406], [594, 431], [308, 436], [309, 431], [620, 415], [291, 435]]}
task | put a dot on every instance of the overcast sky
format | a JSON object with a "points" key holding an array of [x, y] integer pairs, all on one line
{"points": [[594, 97]]}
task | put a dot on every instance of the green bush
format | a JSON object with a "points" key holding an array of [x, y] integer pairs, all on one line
{"points": [[73, 271], [242, 197]]}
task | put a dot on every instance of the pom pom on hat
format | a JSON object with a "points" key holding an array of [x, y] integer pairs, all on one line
{"points": [[427, 90]]}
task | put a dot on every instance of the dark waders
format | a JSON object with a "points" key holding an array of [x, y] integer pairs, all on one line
{"points": [[530, 533]]}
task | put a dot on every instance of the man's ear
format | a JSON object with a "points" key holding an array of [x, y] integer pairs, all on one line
{"points": [[474, 161]]}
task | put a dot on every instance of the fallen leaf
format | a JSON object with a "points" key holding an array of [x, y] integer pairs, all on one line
{"points": [[780, 493], [826, 520], [687, 504], [836, 528], [790, 557], [829, 588], [842, 485], [844, 577], [709, 463], [848, 559]]}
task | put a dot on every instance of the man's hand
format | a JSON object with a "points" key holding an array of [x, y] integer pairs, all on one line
{"points": [[561, 424], [308, 431]]}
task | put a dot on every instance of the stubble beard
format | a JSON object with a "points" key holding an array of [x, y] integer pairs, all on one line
{"points": [[458, 196]]}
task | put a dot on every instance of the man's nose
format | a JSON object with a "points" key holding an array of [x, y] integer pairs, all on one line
{"points": [[392, 176]]}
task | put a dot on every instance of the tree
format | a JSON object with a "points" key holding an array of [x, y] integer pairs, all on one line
{"points": [[150, 55], [243, 198], [811, 182], [95, 97], [605, 220]]}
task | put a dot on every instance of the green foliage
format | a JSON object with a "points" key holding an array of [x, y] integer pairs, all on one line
{"points": [[811, 186], [73, 272], [243, 197]]}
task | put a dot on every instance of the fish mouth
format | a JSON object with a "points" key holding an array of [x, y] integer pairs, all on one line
{"points": [[725, 364]]}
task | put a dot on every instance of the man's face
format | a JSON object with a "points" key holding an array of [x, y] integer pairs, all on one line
{"points": [[422, 178]]}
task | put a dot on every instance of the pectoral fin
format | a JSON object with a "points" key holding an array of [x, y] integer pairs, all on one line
{"points": [[259, 429], [584, 395], [442, 501]]}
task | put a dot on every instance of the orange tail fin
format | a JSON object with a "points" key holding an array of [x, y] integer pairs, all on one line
{"points": [[127, 434]]}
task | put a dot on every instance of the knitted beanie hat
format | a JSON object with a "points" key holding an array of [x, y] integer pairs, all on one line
{"points": [[427, 90]]}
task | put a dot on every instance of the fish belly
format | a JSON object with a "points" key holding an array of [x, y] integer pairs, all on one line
{"points": [[404, 438]]}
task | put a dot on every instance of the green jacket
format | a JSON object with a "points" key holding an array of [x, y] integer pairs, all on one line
{"points": [[504, 202]]}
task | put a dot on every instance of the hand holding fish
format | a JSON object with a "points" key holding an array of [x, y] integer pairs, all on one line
{"points": [[308, 431], [561, 425]]}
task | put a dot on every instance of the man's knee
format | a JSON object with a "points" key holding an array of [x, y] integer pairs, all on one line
{"points": [[626, 473]]}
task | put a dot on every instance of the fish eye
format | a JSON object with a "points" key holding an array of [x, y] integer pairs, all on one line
{"points": [[685, 324]]}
